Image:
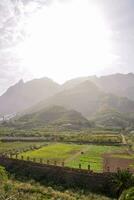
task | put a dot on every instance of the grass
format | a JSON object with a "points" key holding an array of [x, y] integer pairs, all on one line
{"points": [[17, 190], [54, 152]]}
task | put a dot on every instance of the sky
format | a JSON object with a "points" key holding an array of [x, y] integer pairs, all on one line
{"points": [[64, 39]]}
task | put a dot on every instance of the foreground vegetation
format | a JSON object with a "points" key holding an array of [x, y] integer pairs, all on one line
{"points": [[13, 189], [18, 190]]}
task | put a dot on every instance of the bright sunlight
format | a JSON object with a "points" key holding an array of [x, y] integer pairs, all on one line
{"points": [[65, 40]]}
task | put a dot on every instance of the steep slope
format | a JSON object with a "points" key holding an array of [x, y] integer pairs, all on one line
{"points": [[74, 82], [88, 99], [23, 95], [118, 84], [83, 98], [55, 115], [85, 94]]}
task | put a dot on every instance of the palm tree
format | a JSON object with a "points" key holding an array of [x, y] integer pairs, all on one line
{"points": [[127, 194], [123, 180]]}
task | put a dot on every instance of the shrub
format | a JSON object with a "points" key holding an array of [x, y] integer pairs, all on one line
{"points": [[123, 180], [127, 194], [3, 174]]}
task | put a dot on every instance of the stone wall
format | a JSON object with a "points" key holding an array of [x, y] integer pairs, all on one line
{"points": [[66, 177]]}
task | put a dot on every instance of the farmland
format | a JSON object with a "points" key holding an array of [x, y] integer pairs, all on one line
{"points": [[54, 152], [72, 149], [73, 154], [51, 134], [93, 157]]}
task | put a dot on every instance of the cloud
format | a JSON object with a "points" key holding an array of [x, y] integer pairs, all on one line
{"points": [[119, 15]]}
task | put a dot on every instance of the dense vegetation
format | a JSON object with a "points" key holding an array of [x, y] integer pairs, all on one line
{"points": [[56, 116], [18, 190], [11, 188], [127, 194], [92, 135]]}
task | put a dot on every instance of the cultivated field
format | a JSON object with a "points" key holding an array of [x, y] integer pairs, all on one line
{"points": [[94, 157], [97, 155], [73, 155], [55, 152]]}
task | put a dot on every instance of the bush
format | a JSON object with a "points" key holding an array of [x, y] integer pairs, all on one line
{"points": [[3, 174], [127, 194], [123, 180]]}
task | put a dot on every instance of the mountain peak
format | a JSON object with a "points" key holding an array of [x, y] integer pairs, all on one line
{"points": [[20, 82]]}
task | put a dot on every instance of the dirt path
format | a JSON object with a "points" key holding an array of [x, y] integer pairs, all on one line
{"points": [[123, 139], [84, 150]]}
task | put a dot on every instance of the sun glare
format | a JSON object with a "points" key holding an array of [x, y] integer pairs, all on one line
{"points": [[66, 40]]}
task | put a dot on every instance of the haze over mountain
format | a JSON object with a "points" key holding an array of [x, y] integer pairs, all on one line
{"points": [[54, 116], [118, 84], [88, 99], [87, 95], [23, 95]]}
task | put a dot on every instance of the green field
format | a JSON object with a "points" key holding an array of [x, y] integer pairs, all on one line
{"points": [[54, 152], [93, 157], [73, 154]]}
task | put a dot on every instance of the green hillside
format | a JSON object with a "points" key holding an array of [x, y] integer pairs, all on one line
{"points": [[54, 116], [111, 118], [87, 99]]}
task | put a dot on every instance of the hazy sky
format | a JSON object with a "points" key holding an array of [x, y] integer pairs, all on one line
{"points": [[63, 39]]}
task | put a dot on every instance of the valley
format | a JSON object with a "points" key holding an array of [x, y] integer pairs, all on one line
{"points": [[76, 132]]}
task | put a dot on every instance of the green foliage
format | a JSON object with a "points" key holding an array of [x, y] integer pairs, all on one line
{"points": [[34, 191], [50, 133], [3, 175], [123, 180], [111, 118], [54, 116], [127, 194]]}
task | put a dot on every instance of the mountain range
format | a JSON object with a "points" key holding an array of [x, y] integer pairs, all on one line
{"points": [[23, 95], [91, 96]]}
